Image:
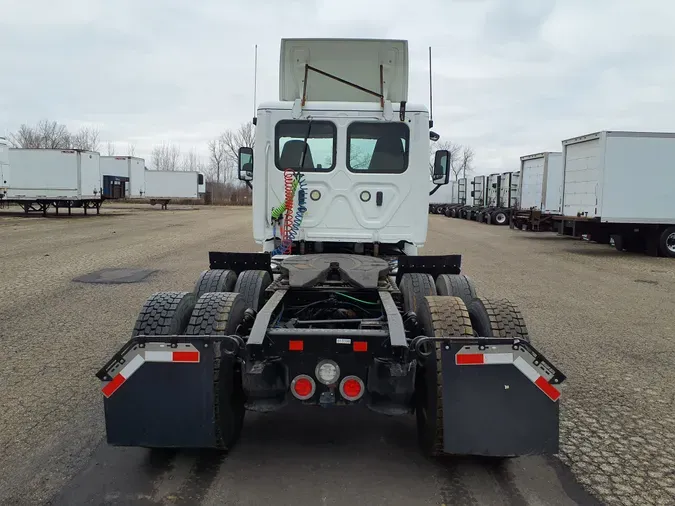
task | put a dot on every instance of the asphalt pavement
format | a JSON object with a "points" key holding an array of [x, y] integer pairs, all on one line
{"points": [[603, 317]]}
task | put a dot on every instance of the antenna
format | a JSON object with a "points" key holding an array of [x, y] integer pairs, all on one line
{"points": [[431, 95], [255, 84]]}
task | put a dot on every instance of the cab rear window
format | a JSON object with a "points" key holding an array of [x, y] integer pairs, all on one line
{"points": [[379, 148], [316, 155]]}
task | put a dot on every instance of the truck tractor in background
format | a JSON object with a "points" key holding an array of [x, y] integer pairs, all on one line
{"points": [[338, 308]]}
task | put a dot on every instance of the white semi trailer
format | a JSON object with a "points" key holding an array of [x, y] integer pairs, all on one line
{"points": [[4, 168], [620, 185], [162, 186], [61, 178], [123, 177], [540, 192]]}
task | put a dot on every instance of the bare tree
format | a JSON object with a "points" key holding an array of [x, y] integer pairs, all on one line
{"points": [[465, 161], [191, 161], [232, 141], [46, 134], [217, 151], [131, 149], [86, 138], [110, 148], [166, 157]]}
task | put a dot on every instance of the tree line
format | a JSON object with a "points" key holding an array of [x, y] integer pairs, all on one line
{"points": [[220, 164]]}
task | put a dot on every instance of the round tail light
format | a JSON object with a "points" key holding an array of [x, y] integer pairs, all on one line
{"points": [[352, 388]]}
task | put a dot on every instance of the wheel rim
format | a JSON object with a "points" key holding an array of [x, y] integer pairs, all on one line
{"points": [[670, 242], [500, 218]]}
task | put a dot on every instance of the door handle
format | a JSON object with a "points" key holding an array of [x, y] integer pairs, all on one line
{"points": [[378, 199]]}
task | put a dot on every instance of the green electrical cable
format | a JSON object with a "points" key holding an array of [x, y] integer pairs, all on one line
{"points": [[355, 299], [279, 210]]}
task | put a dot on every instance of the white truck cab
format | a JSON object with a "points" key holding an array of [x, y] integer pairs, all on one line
{"points": [[343, 150]]}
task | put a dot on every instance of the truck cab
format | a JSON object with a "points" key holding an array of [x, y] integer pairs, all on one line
{"points": [[344, 136]]}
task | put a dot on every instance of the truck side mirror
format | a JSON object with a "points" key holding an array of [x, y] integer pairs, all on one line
{"points": [[473, 194], [245, 158], [442, 167]]}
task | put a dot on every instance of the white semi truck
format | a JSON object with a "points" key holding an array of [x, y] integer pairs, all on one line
{"points": [[337, 308]]}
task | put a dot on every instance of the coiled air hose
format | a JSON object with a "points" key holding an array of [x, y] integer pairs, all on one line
{"points": [[293, 182]]}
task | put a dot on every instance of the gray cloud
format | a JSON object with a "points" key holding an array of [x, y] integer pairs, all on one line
{"points": [[510, 76]]}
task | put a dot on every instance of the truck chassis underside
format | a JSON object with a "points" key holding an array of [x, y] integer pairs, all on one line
{"points": [[330, 330]]}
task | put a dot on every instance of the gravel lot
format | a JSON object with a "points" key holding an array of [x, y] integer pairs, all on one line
{"points": [[605, 318]]}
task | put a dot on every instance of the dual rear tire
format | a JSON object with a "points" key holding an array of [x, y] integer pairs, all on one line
{"points": [[216, 306], [449, 307]]}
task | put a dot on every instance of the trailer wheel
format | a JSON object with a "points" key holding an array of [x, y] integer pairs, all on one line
{"points": [[220, 313], [457, 285], [215, 280], [667, 242], [252, 285], [439, 316], [414, 287], [499, 218], [497, 318], [165, 314]]}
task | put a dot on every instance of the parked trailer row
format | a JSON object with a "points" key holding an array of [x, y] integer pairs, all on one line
{"points": [[608, 186], [489, 199], [37, 179]]}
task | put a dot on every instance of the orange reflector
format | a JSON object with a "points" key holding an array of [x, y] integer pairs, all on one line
{"points": [[360, 345], [295, 345], [351, 388], [303, 387]]}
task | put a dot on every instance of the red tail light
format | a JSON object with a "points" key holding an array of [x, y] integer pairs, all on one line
{"points": [[303, 387], [352, 388]]}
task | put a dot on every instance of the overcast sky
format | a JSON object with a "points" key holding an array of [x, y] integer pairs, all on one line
{"points": [[511, 77]]}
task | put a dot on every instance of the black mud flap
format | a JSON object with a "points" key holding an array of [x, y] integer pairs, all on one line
{"points": [[161, 394], [500, 399]]}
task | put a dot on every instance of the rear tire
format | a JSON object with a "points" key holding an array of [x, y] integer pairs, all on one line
{"points": [[414, 287], [251, 285], [497, 318], [667, 242], [499, 218], [215, 280], [457, 285], [165, 314], [439, 316], [220, 313]]}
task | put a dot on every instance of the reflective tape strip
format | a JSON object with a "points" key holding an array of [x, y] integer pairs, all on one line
{"points": [[131, 367], [159, 354], [526, 369], [498, 358], [466, 356]]}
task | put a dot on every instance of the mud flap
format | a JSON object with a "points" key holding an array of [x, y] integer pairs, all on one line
{"points": [[161, 395], [500, 398]]}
